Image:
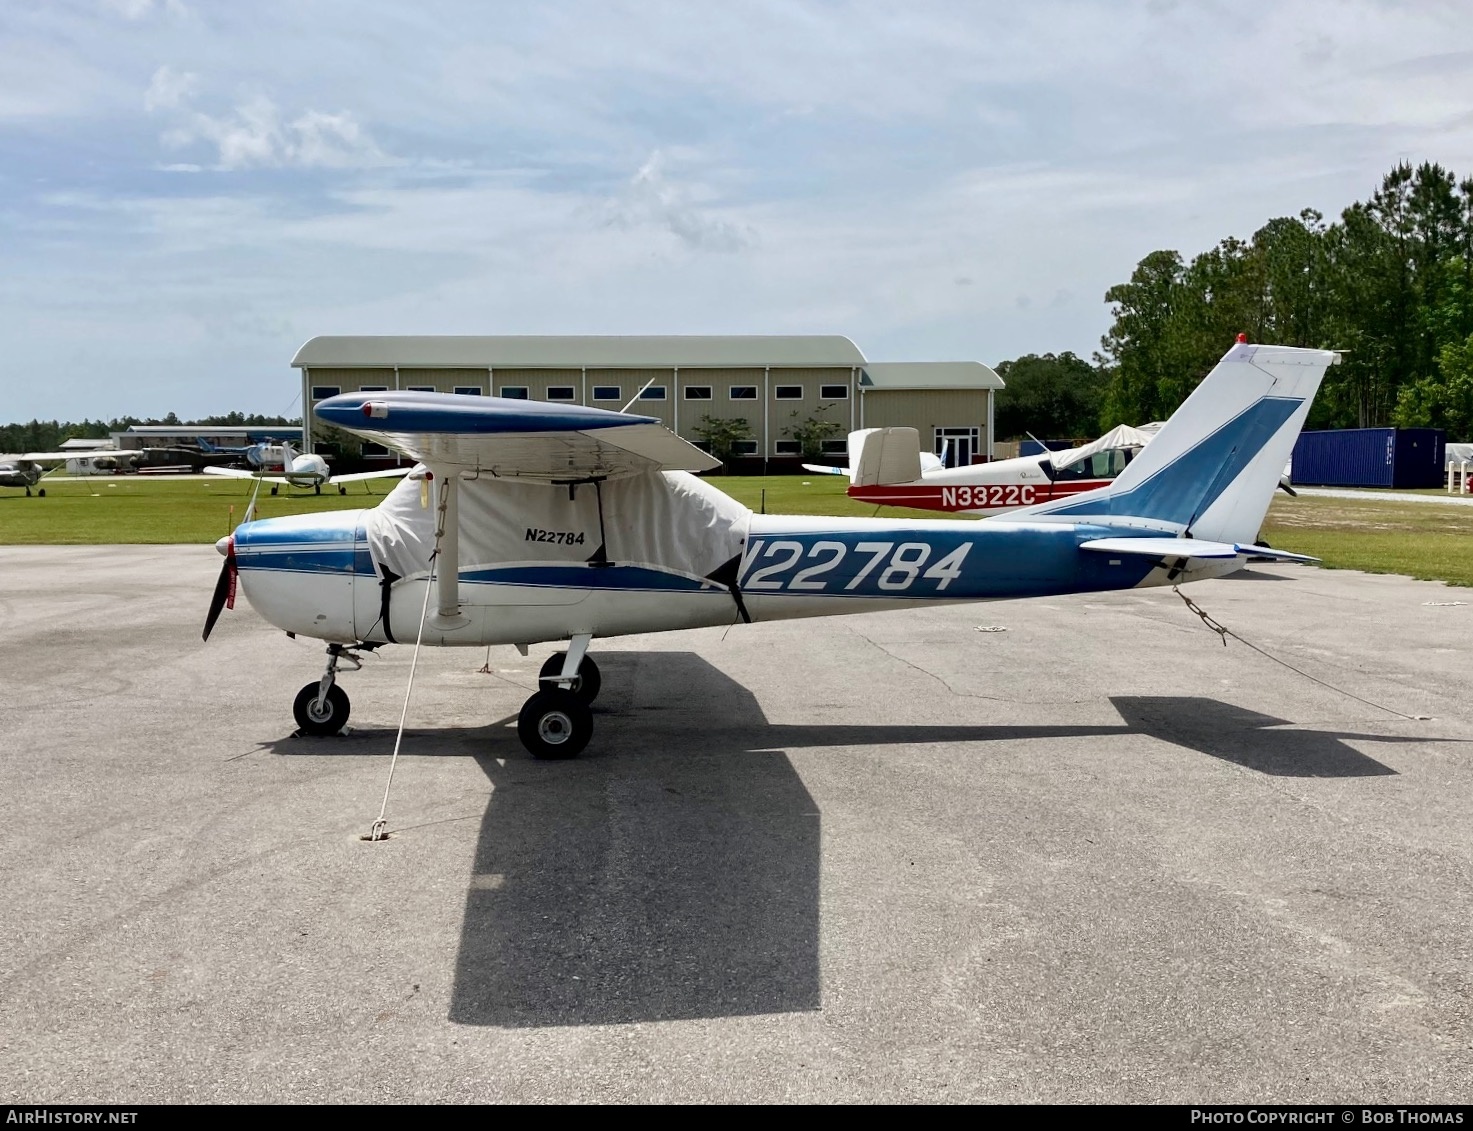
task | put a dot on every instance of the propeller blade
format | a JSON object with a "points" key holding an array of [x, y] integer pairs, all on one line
{"points": [[1284, 486], [224, 594]]}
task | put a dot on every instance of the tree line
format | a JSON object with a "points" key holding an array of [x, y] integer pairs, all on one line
{"points": [[1390, 283], [49, 435]]}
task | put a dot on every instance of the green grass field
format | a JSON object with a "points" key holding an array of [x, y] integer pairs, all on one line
{"points": [[1420, 540]]}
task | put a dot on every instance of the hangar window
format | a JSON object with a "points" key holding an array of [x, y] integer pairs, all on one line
{"points": [[698, 392], [371, 450], [561, 393], [788, 392], [744, 447], [514, 392], [373, 388], [420, 388], [787, 448], [607, 393], [835, 447], [322, 392], [833, 392], [653, 393], [468, 390], [744, 392]]}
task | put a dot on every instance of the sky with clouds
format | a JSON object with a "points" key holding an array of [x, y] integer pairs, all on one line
{"points": [[189, 190]]}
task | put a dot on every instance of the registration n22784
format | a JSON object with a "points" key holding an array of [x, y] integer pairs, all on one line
{"points": [[851, 564]]}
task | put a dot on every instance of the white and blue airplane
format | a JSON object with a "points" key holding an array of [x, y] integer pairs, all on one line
{"points": [[527, 522], [281, 466]]}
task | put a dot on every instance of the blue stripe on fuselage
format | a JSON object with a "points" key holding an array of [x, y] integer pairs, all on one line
{"points": [[576, 575], [970, 563], [1192, 482]]}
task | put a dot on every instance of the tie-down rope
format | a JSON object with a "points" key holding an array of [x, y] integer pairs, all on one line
{"points": [[378, 831], [1224, 632]]}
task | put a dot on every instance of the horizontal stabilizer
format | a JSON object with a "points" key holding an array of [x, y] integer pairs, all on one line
{"points": [[1164, 547], [820, 469], [1275, 555]]}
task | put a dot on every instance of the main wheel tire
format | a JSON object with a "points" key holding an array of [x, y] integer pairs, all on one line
{"points": [[585, 685], [342, 490], [273, 490], [332, 716], [554, 724], [42, 492]]}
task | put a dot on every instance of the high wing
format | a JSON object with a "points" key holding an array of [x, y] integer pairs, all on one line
{"points": [[243, 473], [514, 438], [359, 476], [54, 457]]}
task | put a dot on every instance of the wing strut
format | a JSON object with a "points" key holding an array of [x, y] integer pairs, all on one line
{"points": [[447, 580]]}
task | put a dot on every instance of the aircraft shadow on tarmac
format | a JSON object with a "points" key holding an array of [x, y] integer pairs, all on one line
{"points": [[672, 871]]}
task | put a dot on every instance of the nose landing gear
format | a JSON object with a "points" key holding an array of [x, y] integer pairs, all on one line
{"points": [[322, 707]]}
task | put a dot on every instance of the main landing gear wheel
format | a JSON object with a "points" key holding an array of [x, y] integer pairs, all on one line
{"points": [[41, 491], [585, 684], [555, 724], [273, 490], [330, 718]]}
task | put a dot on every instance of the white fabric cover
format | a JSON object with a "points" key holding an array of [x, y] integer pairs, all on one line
{"points": [[1121, 436], [671, 520], [1459, 453]]}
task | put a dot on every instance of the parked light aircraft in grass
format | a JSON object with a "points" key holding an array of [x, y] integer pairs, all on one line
{"points": [[887, 468], [29, 469], [532, 522], [281, 466]]}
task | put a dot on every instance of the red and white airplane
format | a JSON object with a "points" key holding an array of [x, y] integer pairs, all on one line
{"points": [[887, 467]]}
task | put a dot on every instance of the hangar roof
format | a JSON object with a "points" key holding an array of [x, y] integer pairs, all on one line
{"points": [[928, 375], [575, 352]]}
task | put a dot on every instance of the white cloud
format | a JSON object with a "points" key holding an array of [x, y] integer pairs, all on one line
{"points": [[168, 89], [255, 135], [142, 9], [651, 198]]}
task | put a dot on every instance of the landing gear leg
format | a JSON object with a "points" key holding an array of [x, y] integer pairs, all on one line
{"points": [[586, 679], [322, 707]]}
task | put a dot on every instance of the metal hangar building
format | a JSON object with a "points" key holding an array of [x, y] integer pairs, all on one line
{"points": [[772, 382]]}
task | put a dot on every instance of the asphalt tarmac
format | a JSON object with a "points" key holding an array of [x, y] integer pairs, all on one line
{"points": [[1070, 850]]}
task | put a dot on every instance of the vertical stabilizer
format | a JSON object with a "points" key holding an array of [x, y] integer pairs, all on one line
{"points": [[1212, 469]]}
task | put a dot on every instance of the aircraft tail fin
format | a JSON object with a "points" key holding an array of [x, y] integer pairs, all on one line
{"points": [[880, 457], [1211, 471]]}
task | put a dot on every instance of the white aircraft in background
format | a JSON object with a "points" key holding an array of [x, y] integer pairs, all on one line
{"points": [[888, 468], [534, 522], [29, 469], [280, 465]]}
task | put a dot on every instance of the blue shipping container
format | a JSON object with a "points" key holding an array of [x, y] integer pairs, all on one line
{"points": [[1370, 457]]}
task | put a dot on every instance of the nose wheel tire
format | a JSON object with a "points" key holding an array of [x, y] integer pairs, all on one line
{"points": [[330, 718], [585, 684], [555, 724]]}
